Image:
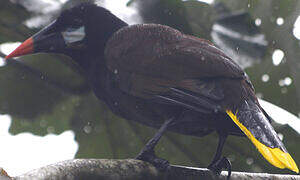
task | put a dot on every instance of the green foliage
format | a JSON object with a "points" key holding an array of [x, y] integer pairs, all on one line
{"points": [[47, 93]]}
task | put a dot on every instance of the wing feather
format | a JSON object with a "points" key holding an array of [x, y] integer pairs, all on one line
{"points": [[160, 63]]}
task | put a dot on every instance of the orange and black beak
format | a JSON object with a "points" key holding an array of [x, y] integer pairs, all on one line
{"points": [[47, 40]]}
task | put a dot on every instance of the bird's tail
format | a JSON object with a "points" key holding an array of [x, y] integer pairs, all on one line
{"points": [[253, 122]]}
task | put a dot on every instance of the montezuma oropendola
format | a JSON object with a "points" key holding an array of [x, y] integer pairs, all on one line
{"points": [[160, 77]]}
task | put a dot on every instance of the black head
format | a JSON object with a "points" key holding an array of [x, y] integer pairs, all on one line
{"points": [[82, 29]]}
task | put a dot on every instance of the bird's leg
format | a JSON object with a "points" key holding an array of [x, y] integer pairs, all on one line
{"points": [[219, 163], [148, 154]]}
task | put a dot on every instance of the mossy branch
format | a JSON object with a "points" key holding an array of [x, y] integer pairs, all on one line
{"points": [[111, 169]]}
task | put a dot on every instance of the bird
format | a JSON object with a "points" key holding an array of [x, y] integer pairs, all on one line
{"points": [[160, 77]]}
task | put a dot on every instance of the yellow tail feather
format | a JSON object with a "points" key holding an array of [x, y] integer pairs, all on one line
{"points": [[275, 156]]}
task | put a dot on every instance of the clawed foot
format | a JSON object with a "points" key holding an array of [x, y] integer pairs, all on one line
{"points": [[149, 156], [220, 164]]}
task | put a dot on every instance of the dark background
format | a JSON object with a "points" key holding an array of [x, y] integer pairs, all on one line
{"points": [[47, 94]]}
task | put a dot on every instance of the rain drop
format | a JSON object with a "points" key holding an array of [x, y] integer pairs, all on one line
{"points": [[265, 78], [279, 21], [87, 129], [277, 56], [257, 22], [249, 161], [287, 81], [281, 82], [116, 71], [280, 136]]}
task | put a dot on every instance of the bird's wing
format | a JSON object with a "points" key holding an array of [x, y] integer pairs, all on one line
{"points": [[163, 64], [159, 63], [160, 51]]}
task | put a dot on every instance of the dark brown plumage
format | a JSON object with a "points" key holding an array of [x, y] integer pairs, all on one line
{"points": [[155, 75]]}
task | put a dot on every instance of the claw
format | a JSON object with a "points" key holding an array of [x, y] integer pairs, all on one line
{"points": [[149, 156], [220, 164]]}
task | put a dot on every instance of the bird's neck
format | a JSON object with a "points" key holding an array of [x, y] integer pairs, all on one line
{"points": [[96, 72], [92, 59]]}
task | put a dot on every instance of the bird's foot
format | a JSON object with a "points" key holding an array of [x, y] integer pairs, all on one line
{"points": [[217, 166], [149, 156]]}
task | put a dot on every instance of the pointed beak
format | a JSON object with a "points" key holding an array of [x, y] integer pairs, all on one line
{"points": [[25, 48], [48, 39]]}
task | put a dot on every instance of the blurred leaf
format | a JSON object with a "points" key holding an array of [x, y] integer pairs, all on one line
{"points": [[237, 34], [23, 94], [167, 12], [27, 91], [48, 94], [56, 121], [11, 23], [200, 17]]}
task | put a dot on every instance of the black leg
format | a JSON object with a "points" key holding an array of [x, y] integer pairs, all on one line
{"points": [[219, 163], [148, 154]]}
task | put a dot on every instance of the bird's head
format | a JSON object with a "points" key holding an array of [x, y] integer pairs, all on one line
{"points": [[82, 29]]}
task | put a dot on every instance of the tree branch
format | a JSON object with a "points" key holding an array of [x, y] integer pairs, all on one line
{"points": [[110, 169]]}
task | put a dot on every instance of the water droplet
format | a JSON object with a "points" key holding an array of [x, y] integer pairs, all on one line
{"points": [[287, 81], [249, 161], [280, 136], [116, 71], [258, 22], [265, 78], [277, 56], [279, 21], [202, 58], [281, 82], [87, 129]]}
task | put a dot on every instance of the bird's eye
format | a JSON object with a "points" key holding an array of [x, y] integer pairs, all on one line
{"points": [[72, 35]]}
